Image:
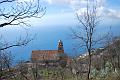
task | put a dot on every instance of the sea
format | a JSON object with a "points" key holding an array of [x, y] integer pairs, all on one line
{"points": [[46, 38]]}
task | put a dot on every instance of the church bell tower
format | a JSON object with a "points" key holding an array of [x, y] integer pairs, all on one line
{"points": [[60, 46]]}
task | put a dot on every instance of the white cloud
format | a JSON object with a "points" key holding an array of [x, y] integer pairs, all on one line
{"points": [[112, 13], [65, 2], [80, 7], [25, 0], [59, 1], [49, 1]]}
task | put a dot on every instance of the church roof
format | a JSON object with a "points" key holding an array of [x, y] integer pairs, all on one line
{"points": [[45, 54], [44, 51]]}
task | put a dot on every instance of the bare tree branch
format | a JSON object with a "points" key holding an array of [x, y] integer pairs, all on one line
{"points": [[21, 12], [89, 21], [3, 1], [16, 15]]}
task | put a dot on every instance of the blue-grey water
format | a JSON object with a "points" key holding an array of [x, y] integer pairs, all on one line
{"points": [[47, 38]]}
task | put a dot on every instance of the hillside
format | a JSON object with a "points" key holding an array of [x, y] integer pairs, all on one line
{"points": [[105, 62]]}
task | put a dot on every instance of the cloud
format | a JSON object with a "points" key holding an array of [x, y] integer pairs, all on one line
{"points": [[65, 2], [75, 4], [25, 0], [112, 13], [59, 1], [49, 1], [79, 6]]}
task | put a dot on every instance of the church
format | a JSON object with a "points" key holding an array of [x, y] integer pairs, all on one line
{"points": [[51, 57]]}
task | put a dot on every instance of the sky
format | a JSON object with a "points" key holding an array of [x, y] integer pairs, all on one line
{"points": [[62, 12]]}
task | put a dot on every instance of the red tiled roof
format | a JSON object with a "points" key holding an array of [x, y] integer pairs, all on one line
{"points": [[44, 51], [44, 54]]}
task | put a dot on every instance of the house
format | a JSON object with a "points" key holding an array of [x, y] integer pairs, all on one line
{"points": [[51, 57]]}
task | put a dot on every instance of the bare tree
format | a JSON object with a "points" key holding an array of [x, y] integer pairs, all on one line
{"points": [[22, 71], [85, 32], [17, 14], [5, 64]]}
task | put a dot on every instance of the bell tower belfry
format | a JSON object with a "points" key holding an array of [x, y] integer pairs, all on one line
{"points": [[60, 46]]}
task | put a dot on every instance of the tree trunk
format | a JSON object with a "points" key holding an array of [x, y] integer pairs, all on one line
{"points": [[89, 65]]}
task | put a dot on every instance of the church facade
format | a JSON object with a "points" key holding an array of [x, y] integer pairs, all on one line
{"points": [[51, 57]]}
